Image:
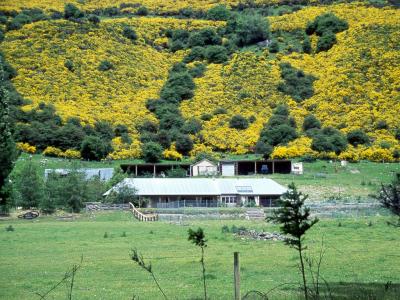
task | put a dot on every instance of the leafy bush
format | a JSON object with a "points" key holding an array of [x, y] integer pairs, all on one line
{"points": [[296, 84], [264, 149], [326, 23], [326, 41], [184, 144], [238, 122], [94, 148], [306, 45], [357, 137], [105, 65], [248, 28], [191, 126], [178, 87], [197, 53], [311, 122], [69, 65], [129, 33], [216, 54], [382, 124], [274, 47], [329, 140], [71, 12], [151, 152], [204, 37], [93, 19], [218, 13], [197, 70], [142, 11]]}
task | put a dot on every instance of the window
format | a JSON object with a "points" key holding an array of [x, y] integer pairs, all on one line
{"points": [[229, 199], [244, 189]]}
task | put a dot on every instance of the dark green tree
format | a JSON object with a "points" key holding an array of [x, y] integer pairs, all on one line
{"points": [[8, 152], [71, 12], [295, 221], [216, 54], [152, 152], [311, 122], [248, 28], [94, 148], [184, 144], [264, 149], [326, 41], [29, 186], [218, 13], [357, 137]]}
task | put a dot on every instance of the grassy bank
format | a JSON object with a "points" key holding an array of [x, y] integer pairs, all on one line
{"points": [[362, 251]]}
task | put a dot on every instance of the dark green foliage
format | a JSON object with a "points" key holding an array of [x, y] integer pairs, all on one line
{"points": [[326, 41], [311, 122], [274, 47], [306, 45], [357, 137], [142, 11], [69, 65], [10, 228], [94, 148], [397, 134], [216, 54], [220, 111], [296, 84], [191, 126], [329, 140], [206, 117], [105, 65], [218, 13], [164, 138], [326, 23], [171, 121], [389, 197], [151, 152], [1, 36], [279, 128], [382, 124], [252, 119], [184, 144], [121, 129], [197, 70], [148, 126], [197, 53], [238, 122], [178, 39], [7, 146], [93, 19], [71, 12], [199, 239], [29, 186], [204, 37], [104, 130], [125, 194], [248, 28], [129, 33], [178, 87], [264, 149], [69, 136]]}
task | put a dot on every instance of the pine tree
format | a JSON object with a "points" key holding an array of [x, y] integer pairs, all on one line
{"points": [[7, 145]]}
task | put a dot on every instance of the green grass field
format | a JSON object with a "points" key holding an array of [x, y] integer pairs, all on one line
{"points": [[361, 256]]}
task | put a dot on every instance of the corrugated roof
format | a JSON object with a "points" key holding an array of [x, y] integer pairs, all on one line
{"points": [[201, 186]]}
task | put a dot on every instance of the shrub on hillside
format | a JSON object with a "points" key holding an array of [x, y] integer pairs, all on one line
{"points": [[216, 54], [311, 122], [357, 137], [151, 152], [204, 37], [142, 11], [326, 23], [248, 28], [218, 13], [326, 41], [129, 33], [184, 144], [238, 122], [105, 65], [94, 148]]}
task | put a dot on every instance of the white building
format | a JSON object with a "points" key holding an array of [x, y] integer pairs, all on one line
{"points": [[203, 192], [104, 174], [204, 168]]}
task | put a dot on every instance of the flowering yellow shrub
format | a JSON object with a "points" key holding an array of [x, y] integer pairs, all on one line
{"points": [[71, 153], [53, 151], [351, 154], [25, 147], [172, 154], [377, 154], [297, 148], [200, 148], [38, 52], [125, 151]]}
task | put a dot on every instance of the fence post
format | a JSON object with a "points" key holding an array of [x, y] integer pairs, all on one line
{"points": [[236, 275]]}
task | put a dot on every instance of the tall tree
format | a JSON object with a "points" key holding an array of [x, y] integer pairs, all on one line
{"points": [[389, 197], [7, 145]]}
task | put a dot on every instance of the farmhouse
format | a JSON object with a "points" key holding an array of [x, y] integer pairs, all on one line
{"points": [[202, 192]]}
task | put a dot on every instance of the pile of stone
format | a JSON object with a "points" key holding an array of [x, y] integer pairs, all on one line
{"points": [[260, 235]]}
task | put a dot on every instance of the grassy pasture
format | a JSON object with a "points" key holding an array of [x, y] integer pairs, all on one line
{"points": [[361, 256]]}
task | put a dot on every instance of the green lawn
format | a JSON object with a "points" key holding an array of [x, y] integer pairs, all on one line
{"points": [[37, 254]]}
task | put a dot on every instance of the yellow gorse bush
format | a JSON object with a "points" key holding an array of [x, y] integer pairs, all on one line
{"points": [[25, 147]]}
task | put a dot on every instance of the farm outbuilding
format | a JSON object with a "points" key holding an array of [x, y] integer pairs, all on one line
{"points": [[254, 167], [202, 192], [204, 167]]}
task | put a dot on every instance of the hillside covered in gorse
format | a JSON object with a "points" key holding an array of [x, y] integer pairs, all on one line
{"points": [[167, 79]]}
